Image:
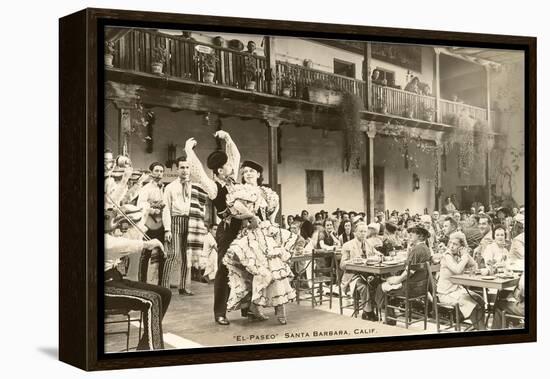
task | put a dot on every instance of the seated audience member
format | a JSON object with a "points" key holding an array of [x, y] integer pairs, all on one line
{"points": [[391, 240], [484, 225], [495, 253], [395, 285], [454, 262], [122, 293], [449, 227], [329, 240], [289, 221], [306, 229], [345, 217], [517, 248], [449, 208], [209, 257], [363, 285], [405, 234], [373, 241], [426, 222], [437, 222], [347, 234], [381, 219], [513, 304]]}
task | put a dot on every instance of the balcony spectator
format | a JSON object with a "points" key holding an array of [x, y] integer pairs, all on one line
{"points": [[377, 78], [413, 85]]}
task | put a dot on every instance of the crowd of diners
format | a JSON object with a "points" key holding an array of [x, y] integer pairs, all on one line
{"points": [[164, 225], [486, 242]]}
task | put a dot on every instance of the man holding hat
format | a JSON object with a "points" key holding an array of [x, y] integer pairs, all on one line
{"points": [[225, 167]]}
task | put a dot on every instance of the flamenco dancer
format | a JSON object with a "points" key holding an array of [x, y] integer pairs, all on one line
{"points": [[225, 167], [259, 275]]}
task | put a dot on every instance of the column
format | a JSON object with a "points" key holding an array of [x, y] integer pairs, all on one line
{"points": [[490, 146], [124, 131], [367, 56], [271, 63], [368, 178], [438, 177], [437, 87], [490, 139], [272, 141]]}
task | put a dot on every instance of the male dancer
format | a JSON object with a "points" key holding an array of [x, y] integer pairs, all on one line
{"points": [[183, 220], [225, 166]]}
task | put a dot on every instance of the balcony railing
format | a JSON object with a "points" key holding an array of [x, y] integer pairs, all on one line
{"points": [[135, 51]]}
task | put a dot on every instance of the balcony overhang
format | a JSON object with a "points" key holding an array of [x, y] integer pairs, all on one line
{"points": [[129, 88]]}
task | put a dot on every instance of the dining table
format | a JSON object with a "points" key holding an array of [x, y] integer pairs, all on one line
{"points": [[496, 282]]}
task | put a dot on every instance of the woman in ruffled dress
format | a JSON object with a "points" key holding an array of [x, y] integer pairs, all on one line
{"points": [[257, 261]]}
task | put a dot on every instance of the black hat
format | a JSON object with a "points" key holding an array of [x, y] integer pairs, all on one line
{"points": [[253, 165], [420, 230], [507, 211], [216, 160], [391, 227]]}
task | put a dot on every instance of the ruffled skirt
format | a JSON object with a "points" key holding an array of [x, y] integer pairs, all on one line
{"points": [[258, 270]]}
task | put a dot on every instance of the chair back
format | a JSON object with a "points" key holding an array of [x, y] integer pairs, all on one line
{"points": [[323, 263], [422, 274]]}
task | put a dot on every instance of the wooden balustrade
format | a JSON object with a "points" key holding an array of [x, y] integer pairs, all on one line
{"points": [[135, 50]]}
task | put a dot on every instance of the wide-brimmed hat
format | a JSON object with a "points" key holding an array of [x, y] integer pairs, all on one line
{"points": [[375, 226], [253, 165], [216, 160], [420, 230]]}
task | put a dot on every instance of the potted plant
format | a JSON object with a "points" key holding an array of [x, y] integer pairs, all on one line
{"points": [[308, 63], [160, 54], [287, 80], [250, 72], [218, 41], [324, 91], [207, 65], [109, 53], [426, 112]]}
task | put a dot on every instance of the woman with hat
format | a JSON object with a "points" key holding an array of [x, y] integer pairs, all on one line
{"points": [[454, 262], [257, 261], [395, 285]]}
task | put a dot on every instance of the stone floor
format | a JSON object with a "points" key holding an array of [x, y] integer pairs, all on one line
{"points": [[189, 323]]}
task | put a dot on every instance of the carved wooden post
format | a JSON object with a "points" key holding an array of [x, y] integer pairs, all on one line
{"points": [[369, 177]]}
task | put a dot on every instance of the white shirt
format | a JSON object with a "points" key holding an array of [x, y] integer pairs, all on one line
{"points": [[116, 247], [176, 202]]}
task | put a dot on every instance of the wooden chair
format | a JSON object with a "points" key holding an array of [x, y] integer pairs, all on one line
{"points": [[126, 314], [353, 300], [321, 275], [407, 312], [452, 311], [507, 317]]}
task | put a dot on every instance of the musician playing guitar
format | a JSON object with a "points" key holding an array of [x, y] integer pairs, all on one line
{"points": [[150, 196]]}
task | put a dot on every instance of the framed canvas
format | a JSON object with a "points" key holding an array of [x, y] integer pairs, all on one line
{"points": [[241, 189]]}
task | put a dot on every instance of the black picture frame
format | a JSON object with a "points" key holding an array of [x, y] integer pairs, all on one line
{"points": [[81, 114]]}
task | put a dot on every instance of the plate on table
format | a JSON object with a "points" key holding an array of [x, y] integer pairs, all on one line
{"points": [[505, 276], [358, 261], [488, 277], [391, 263]]}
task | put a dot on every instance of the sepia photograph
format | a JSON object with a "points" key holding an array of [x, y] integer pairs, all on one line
{"points": [[275, 189]]}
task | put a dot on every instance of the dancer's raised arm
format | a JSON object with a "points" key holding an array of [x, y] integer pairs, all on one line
{"points": [[198, 175], [233, 154]]}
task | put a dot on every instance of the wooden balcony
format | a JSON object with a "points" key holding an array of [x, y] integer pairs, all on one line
{"points": [[134, 53]]}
